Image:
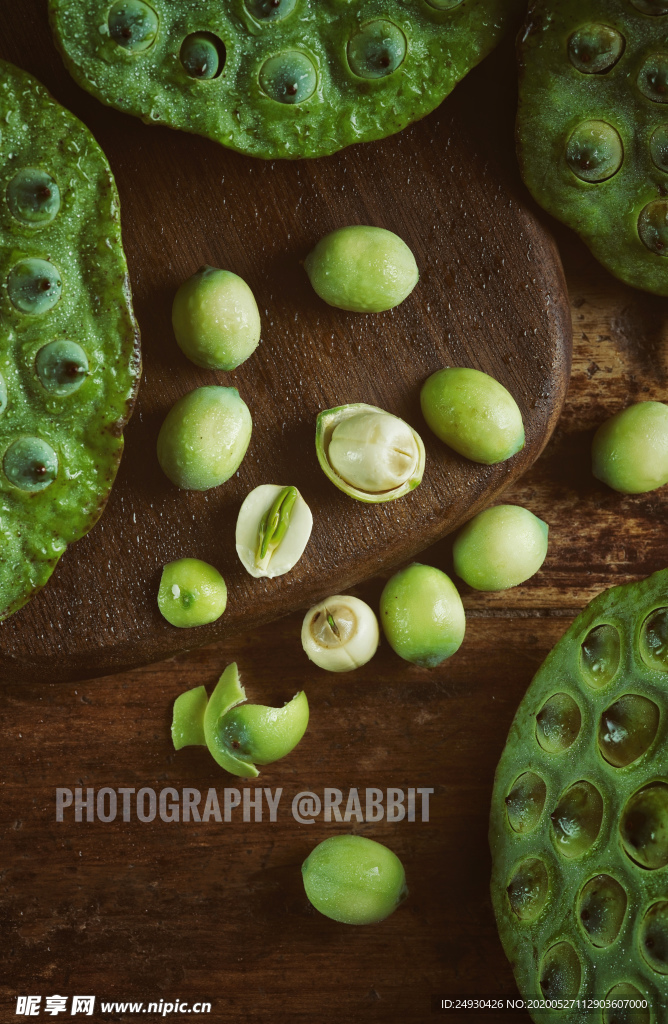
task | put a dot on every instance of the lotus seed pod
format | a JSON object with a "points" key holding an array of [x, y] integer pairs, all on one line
{"points": [[70, 343], [474, 414], [191, 593], [273, 528], [340, 634], [278, 78], [593, 128], [204, 438], [579, 821], [216, 320], [354, 880], [630, 450], [500, 548], [422, 615], [368, 453], [362, 269]]}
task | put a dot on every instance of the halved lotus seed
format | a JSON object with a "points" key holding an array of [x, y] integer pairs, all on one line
{"points": [[376, 50], [576, 820], [204, 438], [500, 548], [654, 640], [34, 286], [653, 78], [289, 77], [473, 413], [354, 880], [601, 909], [368, 453], [525, 802], [273, 529], [600, 655], [594, 48], [202, 55], [594, 151], [271, 10], [630, 450], [30, 464], [627, 729], [133, 25], [422, 615], [362, 269], [215, 319], [528, 889], [560, 972], [644, 826], [653, 227], [62, 367], [33, 197], [340, 634], [191, 593], [558, 723]]}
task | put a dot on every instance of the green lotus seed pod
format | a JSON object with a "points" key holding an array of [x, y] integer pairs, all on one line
{"points": [[579, 818], [216, 320], [630, 450], [422, 615], [354, 880], [204, 438], [500, 548], [191, 593], [363, 269], [473, 414], [188, 718]]}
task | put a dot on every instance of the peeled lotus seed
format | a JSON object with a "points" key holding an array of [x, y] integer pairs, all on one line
{"points": [[500, 548], [273, 529], [354, 880], [340, 634], [191, 593], [630, 450]]}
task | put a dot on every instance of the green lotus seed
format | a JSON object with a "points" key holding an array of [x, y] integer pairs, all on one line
{"points": [[376, 50], [500, 548], [594, 49], [528, 889], [216, 320], [422, 615], [473, 414], [133, 25], [594, 151], [191, 593], [30, 464], [204, 438], [34, 286], [262, 735], [271, 10], [630, 450], [362, 269], [653, 226], [289, 77], [62, 367], [202, 55], [33, 197], [653, 78], [354, 880], [627, 729]]}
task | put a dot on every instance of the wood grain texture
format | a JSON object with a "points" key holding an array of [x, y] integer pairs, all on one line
{"points": [[491, 296]]}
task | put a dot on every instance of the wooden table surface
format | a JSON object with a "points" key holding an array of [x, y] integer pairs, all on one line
{"points": [[216, 911]]}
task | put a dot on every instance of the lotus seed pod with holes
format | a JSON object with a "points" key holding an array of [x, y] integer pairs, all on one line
{"points": [[340, 634], [592, 127], [500, 548], [579, 821], [473, 413], [368, 453], [422, 615], [70, 343], [216, 320], [354, 880], [191, 593], [362, 269], [630, 450], [204, 438], [278, 78], [273, 528]]}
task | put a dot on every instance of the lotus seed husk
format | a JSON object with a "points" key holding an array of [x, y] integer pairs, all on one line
{"points": [[293, 79], [70, 347], [579, 890], [374, 452], [591, 128]]}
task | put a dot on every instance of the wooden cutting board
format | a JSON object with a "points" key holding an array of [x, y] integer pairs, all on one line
{"points": [[491, 295]]}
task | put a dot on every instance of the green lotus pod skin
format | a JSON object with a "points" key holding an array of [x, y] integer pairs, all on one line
{"points": [[630, 450], [278, 78], [354, 880], [579, 819], [216, 320], [204, 438], [237, 737], [70, 360], [593, 128], [422, 615], [473, 413]]}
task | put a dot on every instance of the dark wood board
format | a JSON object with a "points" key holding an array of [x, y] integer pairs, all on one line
{"points": [[491, 296]]}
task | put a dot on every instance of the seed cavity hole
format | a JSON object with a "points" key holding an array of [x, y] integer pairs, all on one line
{"points": [[30, 464], [654, 937], [594, 49], [62, 367], [133, 25], [601, 909], [528, 889], [627, 729], [594, 151], [525, 802], [654, 632], [558, 723], [33, 197], [653, 78], [289, 77], [622, 1014], [34, 286], [376, 50], [270, 10], [560, 972], [576, 820], [600, 655], [644, 826], [203, 56]]}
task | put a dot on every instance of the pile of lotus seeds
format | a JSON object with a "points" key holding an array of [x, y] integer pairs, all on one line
{"points": [[278, 78]]}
